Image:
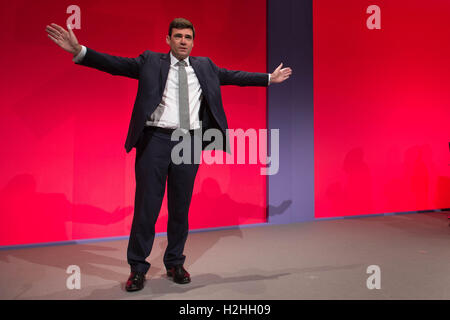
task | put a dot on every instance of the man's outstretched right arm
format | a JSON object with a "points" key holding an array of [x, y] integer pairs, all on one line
{"points": [[66, 39]]}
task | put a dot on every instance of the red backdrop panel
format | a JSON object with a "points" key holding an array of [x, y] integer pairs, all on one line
{"points": [[382, 107], [64, 171]]}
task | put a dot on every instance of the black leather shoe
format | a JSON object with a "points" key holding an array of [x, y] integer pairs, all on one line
{"points": [[179, 274], [135, 281]]}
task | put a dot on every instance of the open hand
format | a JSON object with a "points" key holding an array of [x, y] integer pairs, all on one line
{"points": [[280, 74], [65, 39]]}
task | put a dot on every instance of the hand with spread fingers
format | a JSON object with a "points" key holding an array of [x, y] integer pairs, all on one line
{"points": [[280, 74], [63, 38]]}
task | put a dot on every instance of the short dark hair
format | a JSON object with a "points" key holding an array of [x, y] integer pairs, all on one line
{"points": [[181, 23]]}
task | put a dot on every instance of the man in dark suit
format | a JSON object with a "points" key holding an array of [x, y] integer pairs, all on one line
{"points": [[175, 92]]}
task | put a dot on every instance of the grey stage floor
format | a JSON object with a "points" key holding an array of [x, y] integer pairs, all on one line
{"points": [[313, 260]]}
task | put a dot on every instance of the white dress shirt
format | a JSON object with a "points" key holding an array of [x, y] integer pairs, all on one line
{"points": [[167, 114]]}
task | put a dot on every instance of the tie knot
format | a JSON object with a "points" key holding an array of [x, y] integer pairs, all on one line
{"points": [[181, 63]]}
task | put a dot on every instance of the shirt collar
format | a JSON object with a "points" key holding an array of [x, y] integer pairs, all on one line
{"points": [[174, 60]]}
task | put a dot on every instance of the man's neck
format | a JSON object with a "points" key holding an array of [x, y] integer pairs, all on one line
{"points": [[179, 58]]}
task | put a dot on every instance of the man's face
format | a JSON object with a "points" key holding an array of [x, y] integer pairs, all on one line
{"points": [[181, 42]]}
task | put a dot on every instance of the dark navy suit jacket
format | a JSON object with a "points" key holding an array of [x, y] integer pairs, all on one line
{"points": [[152, 69]]}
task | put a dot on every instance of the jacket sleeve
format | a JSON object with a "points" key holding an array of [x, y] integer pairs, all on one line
{"points": [[115, 65], [241, 78]]}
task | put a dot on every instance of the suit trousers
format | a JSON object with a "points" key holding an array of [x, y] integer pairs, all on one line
{"points": [[153, 168]]}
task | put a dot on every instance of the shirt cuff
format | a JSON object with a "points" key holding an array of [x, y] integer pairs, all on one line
{"points": [[80, 55], [269, 79]]}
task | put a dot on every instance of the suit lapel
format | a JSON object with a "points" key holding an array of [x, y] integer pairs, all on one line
{"points": [[165, 65], [200, 75]]}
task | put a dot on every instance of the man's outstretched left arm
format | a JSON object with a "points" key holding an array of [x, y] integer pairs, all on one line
{"points": [[243, 78]]}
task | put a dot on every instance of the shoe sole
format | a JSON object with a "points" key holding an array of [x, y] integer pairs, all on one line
{"points": [[133, 290]]}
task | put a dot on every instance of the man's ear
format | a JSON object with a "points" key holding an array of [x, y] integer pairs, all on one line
{"points": [[168, 39]]}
